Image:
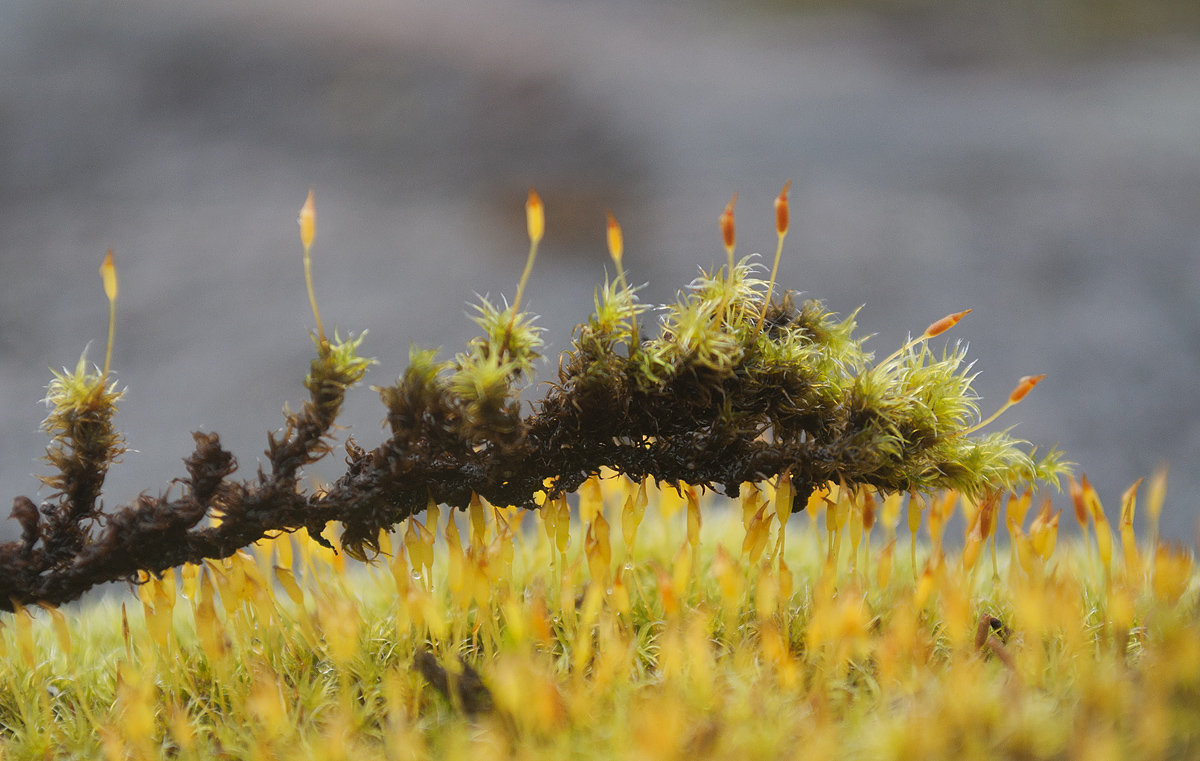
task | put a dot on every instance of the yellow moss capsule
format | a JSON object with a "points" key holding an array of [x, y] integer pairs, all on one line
{"points": [[1043, 532], [604, 542], [856, 530], [62, 632], [144, 592], [412, 541], [597, 569], [631, 518], [308, 221], [549, 515], [426, 544], [751, 502], [693, 517], [535, 216], [562, 535], [167, 592], [784, 496], [591, 499], [433, 515], [478, 521], [756, 537], [914, 514], [108, 271], [208, 627], [1018, 508], [454, 554]]}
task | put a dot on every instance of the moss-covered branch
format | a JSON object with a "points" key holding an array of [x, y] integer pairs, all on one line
{"points": [[732, 389]]}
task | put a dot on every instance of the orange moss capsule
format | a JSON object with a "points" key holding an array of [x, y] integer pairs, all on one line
{"points": [[535, 216], [944, 324], [616, 242], [1024, 386], [781, 209], [728, 230], [1078, 501]]}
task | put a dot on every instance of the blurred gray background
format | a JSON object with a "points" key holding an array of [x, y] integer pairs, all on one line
{"points": [[1038, 162]]}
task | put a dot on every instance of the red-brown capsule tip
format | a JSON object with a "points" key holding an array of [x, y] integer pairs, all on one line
{"points": [[1024, 386], [728, 233], [535, 216], [944, 324], [781, 209], [616, 242]]}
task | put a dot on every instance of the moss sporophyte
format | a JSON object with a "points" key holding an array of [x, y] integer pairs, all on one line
{"points": [[734, 388]]}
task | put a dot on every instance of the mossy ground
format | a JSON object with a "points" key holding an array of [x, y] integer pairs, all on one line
{"points": [[707, 639]]}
